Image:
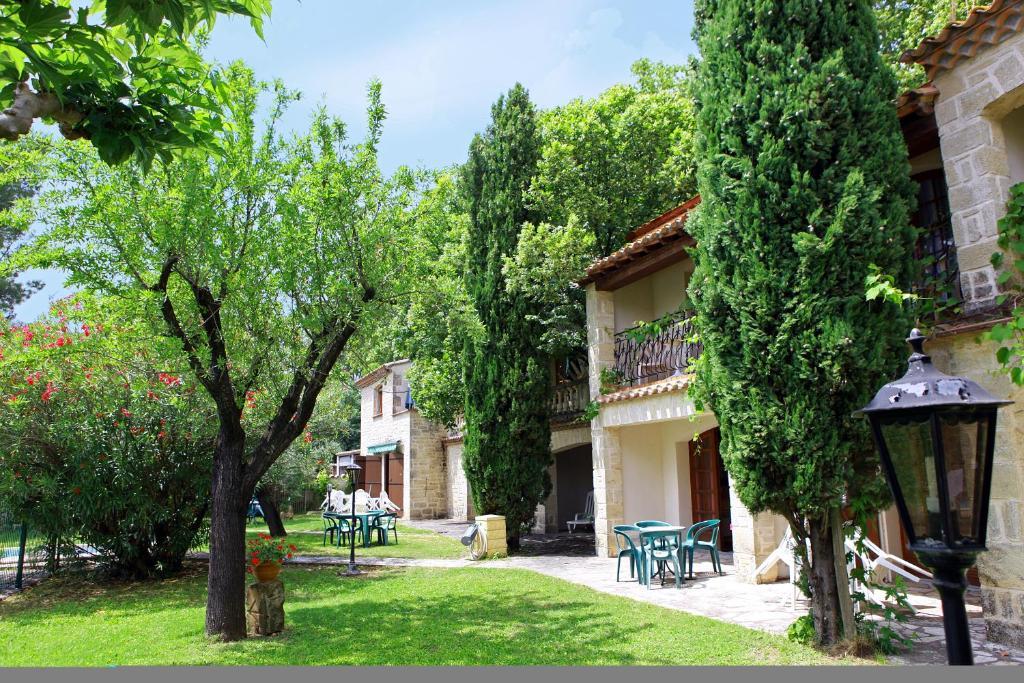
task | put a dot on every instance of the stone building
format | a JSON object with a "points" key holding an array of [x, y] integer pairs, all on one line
{"points": [[965, 133], [646, 462], [419, 462], [400, 451]]}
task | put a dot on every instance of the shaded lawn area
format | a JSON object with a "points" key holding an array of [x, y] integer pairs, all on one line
{"points": [[415, 616], [305, 532]]}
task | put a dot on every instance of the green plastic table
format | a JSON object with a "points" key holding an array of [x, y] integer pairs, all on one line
{"points": [[673, 534], [363, 517]]}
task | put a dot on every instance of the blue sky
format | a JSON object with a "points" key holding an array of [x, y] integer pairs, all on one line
{"points": [[442, 64]]}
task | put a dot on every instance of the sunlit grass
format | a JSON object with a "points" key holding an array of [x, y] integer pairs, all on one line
{"points": [[418, 616]]}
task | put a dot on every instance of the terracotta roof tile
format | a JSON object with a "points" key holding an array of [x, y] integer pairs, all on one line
{"points": [[376, 374], [665, 229], [984, 25], [917, 101], [663, 386]]}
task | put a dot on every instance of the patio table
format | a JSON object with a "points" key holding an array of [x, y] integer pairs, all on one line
{"points": [[671, 534], [363, 517]]}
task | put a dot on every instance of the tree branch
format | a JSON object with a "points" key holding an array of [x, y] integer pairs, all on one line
{"points": [[28, 106]]}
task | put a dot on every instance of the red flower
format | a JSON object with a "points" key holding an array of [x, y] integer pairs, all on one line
{"points": [[289, 556], [255, 561], [50, 391], [125, 412], [292, 547], [307, 437]]}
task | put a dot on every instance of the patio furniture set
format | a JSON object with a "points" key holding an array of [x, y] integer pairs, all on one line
{"points": [[373, 516], [653, 548]]}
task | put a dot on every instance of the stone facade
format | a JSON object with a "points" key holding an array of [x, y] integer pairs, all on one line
{"points": [[1001, 568], [460, 502], [974, 100], [980, 117], [425, 494]]}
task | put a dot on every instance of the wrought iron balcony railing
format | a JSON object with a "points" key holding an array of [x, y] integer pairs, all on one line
{"points": [[641, 359]]}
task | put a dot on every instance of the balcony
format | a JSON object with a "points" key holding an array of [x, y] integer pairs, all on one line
{"points": [[569, 399], [644, 358]]}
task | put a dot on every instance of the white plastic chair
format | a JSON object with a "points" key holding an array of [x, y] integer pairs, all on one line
{"points": [[881, 558], [386, 503], [784, 553], [362, 499], [585, 518]]}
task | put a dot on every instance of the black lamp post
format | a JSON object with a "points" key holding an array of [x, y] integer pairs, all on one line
{"points": [[936, 436], [351, 468]]}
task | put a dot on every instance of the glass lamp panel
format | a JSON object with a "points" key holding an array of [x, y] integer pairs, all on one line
{"points": [[909, 442], [964, 442]]}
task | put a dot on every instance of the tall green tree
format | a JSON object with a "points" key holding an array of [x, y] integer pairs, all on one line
{"points": [[617, 160], [903, 24], [12, 228], [124, 74], [262, 263], [507, 436], [805, 185]]}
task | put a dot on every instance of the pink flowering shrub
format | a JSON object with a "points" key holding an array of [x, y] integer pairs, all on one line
{"points": [[104, 440]]}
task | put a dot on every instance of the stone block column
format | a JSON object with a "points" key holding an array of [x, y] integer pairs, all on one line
{"points": [[973, 99], [609, 506], [600, 335], [492, 528], [754, 537]]}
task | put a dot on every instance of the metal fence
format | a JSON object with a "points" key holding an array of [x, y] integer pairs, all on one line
{"points": [[22, 553], [640, 359]]}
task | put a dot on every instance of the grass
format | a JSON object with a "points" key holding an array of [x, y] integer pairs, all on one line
{"points": [[305, 532], [416, 616]]}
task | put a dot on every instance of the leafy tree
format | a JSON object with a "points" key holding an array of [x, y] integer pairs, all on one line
{"points": [[805, 185], [124, 74], [620, 159], [12, 229], [263, 262], [104, 439], [507, 436], [903, 24]]}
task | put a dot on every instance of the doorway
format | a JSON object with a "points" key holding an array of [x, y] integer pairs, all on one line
{"points": [[709, 485]]}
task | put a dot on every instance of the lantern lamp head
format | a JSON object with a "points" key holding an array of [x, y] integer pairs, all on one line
{"points": [[936, 436]]}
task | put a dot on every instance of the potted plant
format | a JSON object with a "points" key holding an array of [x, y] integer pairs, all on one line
{"points": [[266, 554]]}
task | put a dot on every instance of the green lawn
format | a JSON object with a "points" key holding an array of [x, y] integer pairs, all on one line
{"points": [[418, 616], [305, 532]]}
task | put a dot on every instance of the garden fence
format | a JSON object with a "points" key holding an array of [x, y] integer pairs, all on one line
{"points": [[22, 553]]}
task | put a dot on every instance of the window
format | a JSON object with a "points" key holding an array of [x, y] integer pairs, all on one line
{"points": [[378, 400], [939, 277], [401, 398]]}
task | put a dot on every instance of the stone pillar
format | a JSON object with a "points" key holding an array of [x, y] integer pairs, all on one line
{"points": [[492, 529], [264, 608], [600, 335], [609, 499], [754, 537]]}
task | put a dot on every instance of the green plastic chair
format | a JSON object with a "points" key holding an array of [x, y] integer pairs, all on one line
{"points": [[382, 524], [345, 535], [693, 543], [330, 527], [624, 544], [659, 549]]}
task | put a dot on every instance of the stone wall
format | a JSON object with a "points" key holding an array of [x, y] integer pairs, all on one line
{"points": [[459, 500], [974, 98], [426, 470], [1001, 568]]}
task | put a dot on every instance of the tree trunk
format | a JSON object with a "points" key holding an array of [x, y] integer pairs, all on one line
{"points": [[848, 621], [225, 604], [821, 580], [271, 513]]}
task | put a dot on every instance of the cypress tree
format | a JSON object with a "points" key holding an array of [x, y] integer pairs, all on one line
{"points": [[506, 444], [805, 183]]}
